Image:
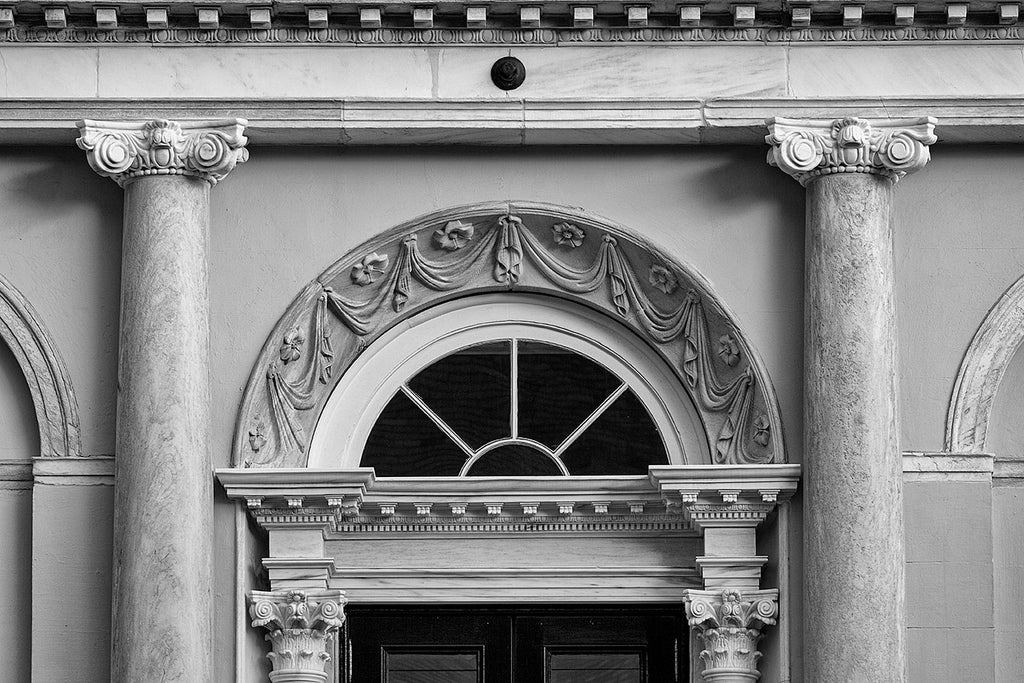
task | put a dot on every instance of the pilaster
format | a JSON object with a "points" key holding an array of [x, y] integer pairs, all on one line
{"points": [[854, 556], [301, 626], [163, 492]]}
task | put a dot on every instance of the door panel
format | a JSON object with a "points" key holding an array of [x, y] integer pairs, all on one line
{"points": [[514, 645], [428, 646], [597, 648]]}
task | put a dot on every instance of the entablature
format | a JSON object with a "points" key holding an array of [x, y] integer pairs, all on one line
{"points": [[670, 498], [35, 20]]}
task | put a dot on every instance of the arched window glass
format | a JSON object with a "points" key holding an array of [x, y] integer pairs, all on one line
{"points": [[513, 407]]}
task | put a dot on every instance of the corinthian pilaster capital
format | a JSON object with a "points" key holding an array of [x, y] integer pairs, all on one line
{"points": [[807, 149], [729, 625], [125, 150], [300, 625]]}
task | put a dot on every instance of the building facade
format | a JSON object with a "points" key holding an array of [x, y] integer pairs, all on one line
{"points": [[512, 341]]}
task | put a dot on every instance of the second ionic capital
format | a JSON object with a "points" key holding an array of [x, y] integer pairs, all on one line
{"points": [[126, 150], [807, 149]]}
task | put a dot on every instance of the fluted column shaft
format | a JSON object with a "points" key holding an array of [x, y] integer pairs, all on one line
{"points": [[163, 493], [854, 589]]}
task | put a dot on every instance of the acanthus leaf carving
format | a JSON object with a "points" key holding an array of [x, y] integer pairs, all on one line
{"points": [[812, 148], [729, 625], [124, 150], [300, 626]]}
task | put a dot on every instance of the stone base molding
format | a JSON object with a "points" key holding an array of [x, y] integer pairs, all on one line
{"points": [[301, 625], [729, 624]]}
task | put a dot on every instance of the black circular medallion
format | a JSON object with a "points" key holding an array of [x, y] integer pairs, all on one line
{"points": [[508, 73]]}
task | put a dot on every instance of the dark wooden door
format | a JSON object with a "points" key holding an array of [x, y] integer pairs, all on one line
{"points": [[514, 645]]}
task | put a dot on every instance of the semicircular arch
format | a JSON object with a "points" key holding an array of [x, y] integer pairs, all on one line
{"points": [[48, 380], [989, 355], [518, 247]]}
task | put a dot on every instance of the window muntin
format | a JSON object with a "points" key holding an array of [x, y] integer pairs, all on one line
{"points": [[513, 407], [374, 378]]}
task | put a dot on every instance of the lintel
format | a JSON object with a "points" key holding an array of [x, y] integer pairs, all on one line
{"points": [[512, 122]]}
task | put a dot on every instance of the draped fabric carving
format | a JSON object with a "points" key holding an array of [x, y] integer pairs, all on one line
{"points": [[506, 251]]}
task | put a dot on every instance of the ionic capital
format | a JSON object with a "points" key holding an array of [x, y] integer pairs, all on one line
{"points": [[127, 150], [729, 625], [301, 625], [807, 149]]}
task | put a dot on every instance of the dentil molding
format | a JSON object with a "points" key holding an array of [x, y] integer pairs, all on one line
{"points": [[812, 148], [127, 150], [300, 625]]}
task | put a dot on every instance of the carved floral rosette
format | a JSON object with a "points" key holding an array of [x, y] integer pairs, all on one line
{"points": [[809, 149], [127, 150], [300, 625], [729, 626], [501, 247]]}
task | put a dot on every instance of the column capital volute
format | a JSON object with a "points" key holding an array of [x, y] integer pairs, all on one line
{"points": [[300, 625], [729, 624], [808, 149], [124, 150]]}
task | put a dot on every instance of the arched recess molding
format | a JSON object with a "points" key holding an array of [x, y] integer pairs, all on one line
{"points": [[495, 247], [981, 371], [44, 370]]}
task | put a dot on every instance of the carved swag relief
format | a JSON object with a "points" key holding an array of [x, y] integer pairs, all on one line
{"points": [[529, 249]]}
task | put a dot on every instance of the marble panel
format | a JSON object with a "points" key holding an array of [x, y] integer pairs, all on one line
{"points": [[265, 72], [907, 71], [48, 72], [627, 72]]}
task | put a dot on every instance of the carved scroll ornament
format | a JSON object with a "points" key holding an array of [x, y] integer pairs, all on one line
{"points": [[300, 625], [126, 150], [505, 247], [729, 625], [809, 149]]}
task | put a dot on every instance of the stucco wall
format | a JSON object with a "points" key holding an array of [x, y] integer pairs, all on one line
{"points": [[287, 214]]}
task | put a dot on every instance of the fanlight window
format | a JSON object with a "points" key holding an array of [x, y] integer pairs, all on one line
{"points": [[513, 407]]}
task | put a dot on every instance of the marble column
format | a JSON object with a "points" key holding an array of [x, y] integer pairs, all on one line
{"points": [[854, 602], [300, 627], [163, 486]]}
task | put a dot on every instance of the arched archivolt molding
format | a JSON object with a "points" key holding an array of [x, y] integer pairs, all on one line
{"points": [[506, 246], [981, 371], [44, 370]]}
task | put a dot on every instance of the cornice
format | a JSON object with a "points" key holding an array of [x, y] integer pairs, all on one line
{"points": [[473, 23], [340, 122]]}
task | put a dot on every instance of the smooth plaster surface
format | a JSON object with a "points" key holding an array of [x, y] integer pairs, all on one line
{"points": [[959, 246], [16, 579], [1005, 437], [73, 525], [950, 598], [60, 245], [17, 417], [1008, 561]]}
